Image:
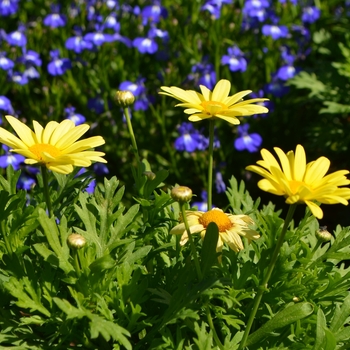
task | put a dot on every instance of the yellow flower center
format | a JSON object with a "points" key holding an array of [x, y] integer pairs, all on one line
{"points": [[295, 186], [220, 218], [213, 107], [39, 148]]}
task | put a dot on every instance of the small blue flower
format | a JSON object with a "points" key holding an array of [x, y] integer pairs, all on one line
{"points": [[235, 60], [153, 13], [137, 88], [214, 7], [202, 205], [245, 141], [98, 37], [58, 66], [76, 118], [276, 87], [8, 7], [25, 182], [275, 31], [100, 169], [11, 159], [203, 74], [17, 77], [5, 105], [310, 14], [55, 19], [5, 63], [96, 104], [189, 138], [219, 183], [17, 38], [77, 43], [145, 45]]}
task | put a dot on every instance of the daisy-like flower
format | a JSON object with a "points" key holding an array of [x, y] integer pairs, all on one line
{"points": [[300, 182], [231, 227], [54, 146], [216, 103]]}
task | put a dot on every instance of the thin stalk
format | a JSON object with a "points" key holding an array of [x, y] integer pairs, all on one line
{"points": [[212, 327], [193, 247], [264, 284], [132, 135], [45, 177], [76, 261], [210, 165]]}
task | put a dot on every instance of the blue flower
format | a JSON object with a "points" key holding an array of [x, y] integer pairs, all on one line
{"points": [[55, 19], [8, 7], [11, 159], [276, 87], [137, 88], [214, 7], [96, 104], [58, 66], [31, 57], [203, 74], [25, 182], [145, 45], [256, 9], [77, 43], [275, 31], [17, 38], [154, 13], [202, 205], [5, 105], [310, 14], [235, 59], [98, 38], [100, 169], [219, 183], [17, 77], [189, 138], [245, 141], [5, 63], [74, 117]]}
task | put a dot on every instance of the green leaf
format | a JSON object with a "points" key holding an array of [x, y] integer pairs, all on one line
{"points": [[208, 253], [290, 314], [320, 330], [27, 296]]}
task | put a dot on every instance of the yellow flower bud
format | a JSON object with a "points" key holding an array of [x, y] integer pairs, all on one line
{"points": [[181, 194], [76, 241], [150, 175], [124, 98], [323, 235]]}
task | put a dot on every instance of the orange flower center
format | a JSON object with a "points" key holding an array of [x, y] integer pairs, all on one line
{"points": [[39, 148], [213, 107], [220, 218]]}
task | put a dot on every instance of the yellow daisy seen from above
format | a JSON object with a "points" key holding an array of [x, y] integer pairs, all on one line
{"points": [[302, 182], [54, 146], [216, 103], [231, 227]]}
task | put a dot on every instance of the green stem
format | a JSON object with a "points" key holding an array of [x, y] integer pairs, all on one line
{"points": [[76, 261], [212, 327], [132, 135], [210, 165], [45, 177], [264, 284], [193, 247]]}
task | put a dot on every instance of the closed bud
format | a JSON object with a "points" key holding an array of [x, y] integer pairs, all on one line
{"points": [[76, 241], [323, 235], [150, 175], [124, 98], [181, 194]]}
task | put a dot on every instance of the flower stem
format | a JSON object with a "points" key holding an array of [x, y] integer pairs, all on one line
{"points": [[45, 177], [212, 327], [132, 135], [264, 284], [210, 165], [193, 248]]}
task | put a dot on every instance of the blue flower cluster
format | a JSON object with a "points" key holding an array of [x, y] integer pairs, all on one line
{"points": [[75, 34]]}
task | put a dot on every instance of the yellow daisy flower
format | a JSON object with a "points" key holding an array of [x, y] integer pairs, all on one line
{"points": [[231, 227], [216, 103], [300, 182], [54, 146]]}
